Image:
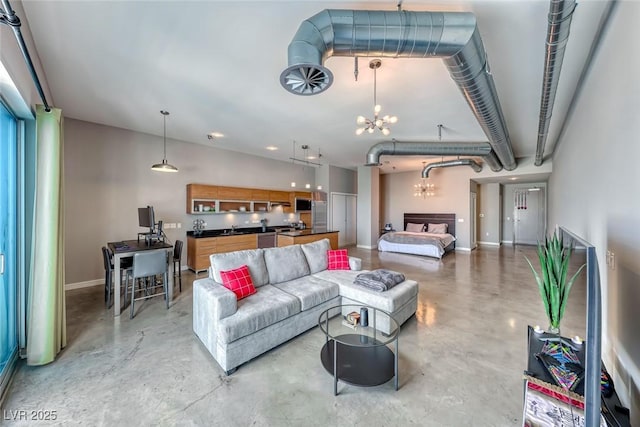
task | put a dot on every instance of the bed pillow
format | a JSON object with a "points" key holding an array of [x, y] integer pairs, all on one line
{"points": [[338, 260], [437, 228], [239, 281], [415, 228]]}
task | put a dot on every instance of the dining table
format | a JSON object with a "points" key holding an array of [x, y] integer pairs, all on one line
{"points": [[127, 248]]}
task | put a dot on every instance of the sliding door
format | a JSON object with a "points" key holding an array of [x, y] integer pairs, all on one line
{"points": [[8, 245]]}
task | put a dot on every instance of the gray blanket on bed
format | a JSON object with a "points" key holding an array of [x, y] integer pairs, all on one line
{"points": [[379, 280], [412, 239]]}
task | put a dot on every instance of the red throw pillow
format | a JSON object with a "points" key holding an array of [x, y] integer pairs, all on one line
{"points": [[338, 260], [239, 281]]}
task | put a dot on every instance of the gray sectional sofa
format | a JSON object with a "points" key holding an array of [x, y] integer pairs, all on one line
{"points": [[293, 288]]}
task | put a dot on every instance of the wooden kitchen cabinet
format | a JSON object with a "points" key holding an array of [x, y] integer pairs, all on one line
{"points": [[278, 196], [199, 249], [259, 195], [200, 194], [234, 193]]}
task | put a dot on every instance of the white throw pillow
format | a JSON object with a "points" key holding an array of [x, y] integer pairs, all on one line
{"points": [[415, 228]]}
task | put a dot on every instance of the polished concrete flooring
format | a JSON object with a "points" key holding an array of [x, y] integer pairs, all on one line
{"points": [[461, 360]]}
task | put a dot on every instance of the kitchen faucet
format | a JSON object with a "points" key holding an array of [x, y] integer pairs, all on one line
{"points": [[233, 227]]}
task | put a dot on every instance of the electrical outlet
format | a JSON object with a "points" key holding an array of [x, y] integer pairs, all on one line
{"points": [[487, 233], [460, 219], [481, 215], [180, 225], [255, 222]]}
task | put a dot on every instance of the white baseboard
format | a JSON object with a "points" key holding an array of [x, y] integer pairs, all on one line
{"points": [[95, 282], [366, 247], [507, 242], [87, 284], [489, 243], [463, 249]]}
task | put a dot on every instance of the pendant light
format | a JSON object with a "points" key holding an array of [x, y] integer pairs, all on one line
{"points": [[164, 166]]}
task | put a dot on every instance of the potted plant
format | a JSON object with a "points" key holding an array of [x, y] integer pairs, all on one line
{"points": [[554, 287]]}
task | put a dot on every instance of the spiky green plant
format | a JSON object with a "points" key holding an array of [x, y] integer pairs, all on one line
{"points": [[553, 284]]}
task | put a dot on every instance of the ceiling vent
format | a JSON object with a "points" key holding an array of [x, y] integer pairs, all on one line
{"points": [[452, 36]]}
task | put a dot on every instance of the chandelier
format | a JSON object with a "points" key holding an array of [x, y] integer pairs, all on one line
{"points": [[423, 188], [377, 122]]}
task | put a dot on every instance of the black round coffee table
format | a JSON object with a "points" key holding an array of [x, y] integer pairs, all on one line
{"points": [[358, 356]]}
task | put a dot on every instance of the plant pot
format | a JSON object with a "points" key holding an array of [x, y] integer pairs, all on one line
{"points": [[554, 330]]}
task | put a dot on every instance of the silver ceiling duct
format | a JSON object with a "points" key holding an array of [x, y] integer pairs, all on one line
{"points": [[452, 36], [397, 148], [450, 163], [560, 14]]}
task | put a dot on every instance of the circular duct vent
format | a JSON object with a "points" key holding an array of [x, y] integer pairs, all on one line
{"points": [[306, 79]]}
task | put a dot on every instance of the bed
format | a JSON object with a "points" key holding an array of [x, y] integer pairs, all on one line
{"points": [[416, 240]]}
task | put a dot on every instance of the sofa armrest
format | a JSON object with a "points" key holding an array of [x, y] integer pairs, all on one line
{"points": [[355, 263], [213, 298]]}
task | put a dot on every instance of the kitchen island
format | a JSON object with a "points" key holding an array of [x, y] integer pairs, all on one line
{"points": [[201, 245], [305, 236]]}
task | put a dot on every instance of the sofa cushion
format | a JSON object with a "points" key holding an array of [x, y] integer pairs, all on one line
{"points": [[239, 281], [311, 291], [316, 254], [267, 306], [285, 263], [253, 258], [338, 260]]}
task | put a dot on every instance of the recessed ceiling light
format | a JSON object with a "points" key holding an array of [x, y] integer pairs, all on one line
{"points": [[513, 178], [271, 148]]}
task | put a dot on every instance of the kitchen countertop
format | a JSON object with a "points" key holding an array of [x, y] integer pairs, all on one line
{"points": [[255, 230], [305, 232]]}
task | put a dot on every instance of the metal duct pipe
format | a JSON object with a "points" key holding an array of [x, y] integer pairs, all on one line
{"points": [[450, 163], [397, 148], [560, 14], [452, 36], [11, 19]]}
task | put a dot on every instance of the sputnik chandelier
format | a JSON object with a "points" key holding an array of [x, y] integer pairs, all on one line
{"points": [[377, 122], [423, 188]]}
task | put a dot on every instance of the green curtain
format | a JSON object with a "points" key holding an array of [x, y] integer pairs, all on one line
{"points": [[46, 314]]}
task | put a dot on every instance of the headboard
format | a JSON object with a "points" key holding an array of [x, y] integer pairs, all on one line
{"points": [[433, 218]]}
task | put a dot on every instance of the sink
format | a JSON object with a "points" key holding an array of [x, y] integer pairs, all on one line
{"points": [[232, 233]]}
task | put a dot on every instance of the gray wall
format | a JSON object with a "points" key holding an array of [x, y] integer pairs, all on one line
{"points": [[594, 192], [108, 176]]}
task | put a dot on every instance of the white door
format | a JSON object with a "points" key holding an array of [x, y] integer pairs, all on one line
{"points": [[351, 203], [529, 216], [343, 217]]}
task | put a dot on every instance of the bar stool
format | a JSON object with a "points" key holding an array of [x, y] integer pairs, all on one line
{"points": [[125, 265], [177, 258], [148, 264]]}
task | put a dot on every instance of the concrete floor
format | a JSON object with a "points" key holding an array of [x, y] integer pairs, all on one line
{"points": [[461, 359]]}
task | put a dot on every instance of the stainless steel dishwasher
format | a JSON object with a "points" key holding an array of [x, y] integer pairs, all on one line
{"points": [[267, 240]]}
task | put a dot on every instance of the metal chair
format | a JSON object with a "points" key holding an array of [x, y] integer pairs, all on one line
{"points": [[177, 258], [149, 264], [125, 265]]}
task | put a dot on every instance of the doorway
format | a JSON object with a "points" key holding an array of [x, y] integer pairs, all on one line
{"points": [[8, 246]]}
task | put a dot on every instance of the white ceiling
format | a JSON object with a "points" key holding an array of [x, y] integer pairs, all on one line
{"points": [[215, 66]]}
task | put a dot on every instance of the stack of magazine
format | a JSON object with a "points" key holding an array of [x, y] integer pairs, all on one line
{"points": [[351, 320]]}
